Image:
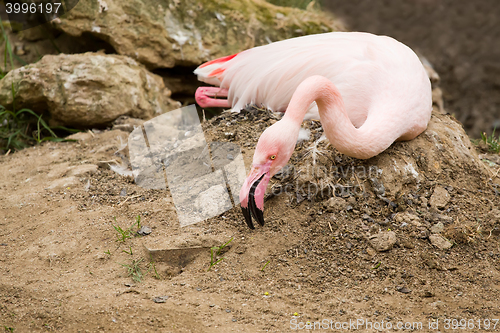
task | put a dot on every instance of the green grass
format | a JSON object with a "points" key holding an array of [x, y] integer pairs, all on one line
{"points": [[217, 251], [492, 142], [152, 266], [124, 234], [262, 269], [134, 270], [21, 128]]}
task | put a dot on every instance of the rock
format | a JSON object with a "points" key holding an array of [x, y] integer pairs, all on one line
{"points": [[90, 89], [494, 215], [443, 218], [336, 204], [383, 241], [160, 299], [367, 217], [64, 183], [82, 170], [408, 244], [440, 242], [437, 228], [403, 290], [429, 260], [427, 294], [408, 218], [80, 136], [439, 198], [189, 32], [371, 252], [144, 231]]}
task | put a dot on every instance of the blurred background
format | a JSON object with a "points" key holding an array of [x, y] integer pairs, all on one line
{"points": [[460, 38]]}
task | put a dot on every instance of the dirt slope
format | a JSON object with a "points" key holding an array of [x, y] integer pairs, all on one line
{"points": [[61, 263]]}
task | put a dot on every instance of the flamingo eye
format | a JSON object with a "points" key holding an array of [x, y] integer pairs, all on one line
{"points": [[272, 157]]}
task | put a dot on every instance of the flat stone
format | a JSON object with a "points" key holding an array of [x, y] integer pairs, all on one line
{"points": [[144, 231], [64, 183], [80, 136], [439, 198], [178, 257], [437, 228], [440, 242], [82, 170], [336, 204], [160, 299], [403, 290], [383, 241], [371, 252]]}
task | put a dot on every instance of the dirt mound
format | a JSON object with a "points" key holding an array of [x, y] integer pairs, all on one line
{"points": [[372, 247]]}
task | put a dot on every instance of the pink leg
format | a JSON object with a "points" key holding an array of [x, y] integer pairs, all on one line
{"points": [[203, 97]]}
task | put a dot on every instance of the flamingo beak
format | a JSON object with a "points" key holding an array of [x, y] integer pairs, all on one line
{"points": [[252, 193]]}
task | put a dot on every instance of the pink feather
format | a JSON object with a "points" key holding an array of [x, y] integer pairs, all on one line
{"points": [[269, 75]]}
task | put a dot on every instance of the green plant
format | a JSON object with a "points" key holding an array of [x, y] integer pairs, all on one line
{"points": [[127, 233], [152, 266], [262, 269], [8, 329], [122, 234], [217, 251], [134, 270], [492, 142], [128, 252]]}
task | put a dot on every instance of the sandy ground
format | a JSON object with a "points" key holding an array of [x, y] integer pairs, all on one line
{"points": [[63, 266]]}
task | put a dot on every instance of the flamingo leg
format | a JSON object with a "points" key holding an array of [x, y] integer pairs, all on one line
{"points": [[204, 97]]}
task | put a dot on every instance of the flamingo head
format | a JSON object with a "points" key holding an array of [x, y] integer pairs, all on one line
{"points": [[273, 150]]}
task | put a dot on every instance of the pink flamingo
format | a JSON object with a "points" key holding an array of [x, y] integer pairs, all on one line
{"points": [[369, 91]]}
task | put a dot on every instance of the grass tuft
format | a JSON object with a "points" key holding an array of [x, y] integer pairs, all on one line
{"points": [[134, 270], [217, 251], [492, 142]]}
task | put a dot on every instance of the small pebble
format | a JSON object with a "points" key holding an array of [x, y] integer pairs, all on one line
{"points": [[403, 290], [161, 299], [144, 231]]}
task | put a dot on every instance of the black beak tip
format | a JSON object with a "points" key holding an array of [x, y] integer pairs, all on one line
{"points": [[252, 207], [259, 217], [248, 217]]}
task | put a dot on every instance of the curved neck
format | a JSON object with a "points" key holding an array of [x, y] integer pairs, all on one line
{"points": [[347, 139]]}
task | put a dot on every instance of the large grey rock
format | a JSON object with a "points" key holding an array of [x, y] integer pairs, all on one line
{"points": [[89, 89], [189, 32]]}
